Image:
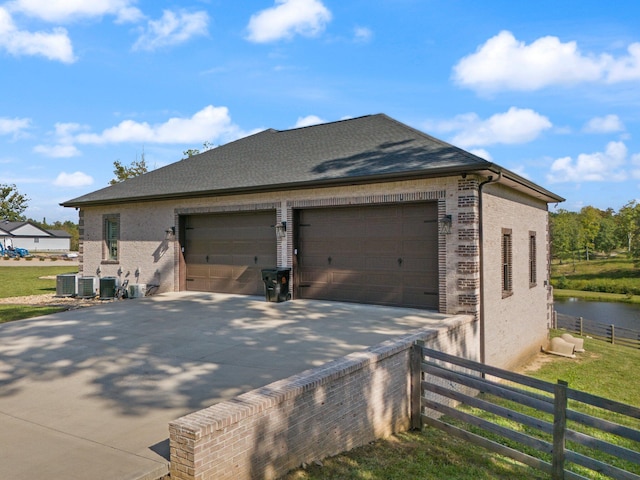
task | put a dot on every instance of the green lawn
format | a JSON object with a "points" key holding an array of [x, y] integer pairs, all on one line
{"points": [[18, 281], [9, 313], [618, 276], [21, 281], [604, 370]]}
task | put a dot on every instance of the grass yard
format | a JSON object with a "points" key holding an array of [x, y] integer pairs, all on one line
{"points": [[22, 281], [612, 279], [9, 313], [605, 370], [18, 281]]}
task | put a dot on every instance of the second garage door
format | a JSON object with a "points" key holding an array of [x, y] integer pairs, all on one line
{"points": [[226, 252], [384, 255]]}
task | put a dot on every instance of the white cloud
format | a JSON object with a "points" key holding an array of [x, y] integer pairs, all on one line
{"points": [[64, 136], [14, 126], [606, 124], [626, 68], [503, 62], [54, 46], [308, 121], [211, 124], [172, 29], [57, 151], [482, 153], [362, 34], [635, 161], [514, 126], [287, 18], [592, 167], [62, 11], [76, 179]]}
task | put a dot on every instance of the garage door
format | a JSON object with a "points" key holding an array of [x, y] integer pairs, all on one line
{"points": [[384, 255], [226, 252]]}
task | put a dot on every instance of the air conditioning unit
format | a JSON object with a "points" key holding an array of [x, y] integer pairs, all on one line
{"points": [[87, 287], [108, 287], [137, 290], [66, 285]]}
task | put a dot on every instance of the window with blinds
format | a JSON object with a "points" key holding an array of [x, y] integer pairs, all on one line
{"points": [[111, 237], [507, 262], [533, 269]]}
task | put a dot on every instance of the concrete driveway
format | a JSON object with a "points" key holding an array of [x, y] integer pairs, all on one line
{"points": [[89, 393]]}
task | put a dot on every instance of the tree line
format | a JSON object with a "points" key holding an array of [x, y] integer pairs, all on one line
{"points": [[579, 235]]}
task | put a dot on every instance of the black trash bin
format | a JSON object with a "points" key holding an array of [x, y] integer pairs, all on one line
{"points": [[276, 284]]}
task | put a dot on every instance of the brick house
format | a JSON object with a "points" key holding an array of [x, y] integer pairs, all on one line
{"points": [[363, 210]]}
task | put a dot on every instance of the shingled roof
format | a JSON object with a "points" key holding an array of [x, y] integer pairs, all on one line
{"points": [[360, 150], [8, 228]]}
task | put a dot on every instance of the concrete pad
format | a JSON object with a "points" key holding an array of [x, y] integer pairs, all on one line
{"points": [[89, 393]]}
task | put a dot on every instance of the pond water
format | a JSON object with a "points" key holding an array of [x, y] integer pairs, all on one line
{"points": [[625, 315]]}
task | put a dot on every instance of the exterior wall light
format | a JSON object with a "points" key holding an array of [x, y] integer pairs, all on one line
{"points": [[169, 232], [281, 229], [445, 224]]}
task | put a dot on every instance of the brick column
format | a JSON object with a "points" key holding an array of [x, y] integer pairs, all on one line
{"points": [[467, 249]]}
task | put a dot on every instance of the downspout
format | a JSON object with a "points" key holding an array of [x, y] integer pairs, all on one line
{"points": [[481, 263]]}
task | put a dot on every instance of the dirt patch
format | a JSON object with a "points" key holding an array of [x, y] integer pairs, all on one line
{"points": [[536, 363], [49, 300]]}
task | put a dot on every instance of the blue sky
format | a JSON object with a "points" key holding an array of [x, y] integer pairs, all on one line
{"points": [[547, 89]]}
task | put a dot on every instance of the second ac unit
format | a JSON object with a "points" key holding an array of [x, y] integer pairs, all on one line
{"points": [[87, 287]]}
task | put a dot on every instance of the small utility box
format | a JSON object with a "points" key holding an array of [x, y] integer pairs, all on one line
{"points": [[276, 284]]}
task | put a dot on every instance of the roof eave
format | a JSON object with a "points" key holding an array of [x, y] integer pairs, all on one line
{"points": [[506, 177]]}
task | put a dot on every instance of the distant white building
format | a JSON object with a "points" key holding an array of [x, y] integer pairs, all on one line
{"points": [[33, 238]]}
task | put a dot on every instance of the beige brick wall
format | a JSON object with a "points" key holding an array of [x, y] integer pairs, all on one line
{"points": [[146, 254], [144, 248], [515, 326], [318, 413]]}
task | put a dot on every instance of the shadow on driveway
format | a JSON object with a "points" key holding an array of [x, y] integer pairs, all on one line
{"points": [[89, 393]]}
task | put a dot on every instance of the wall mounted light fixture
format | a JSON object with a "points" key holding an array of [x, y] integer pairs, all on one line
{"points": [[171, 231], [445, 224], [281, 229]]}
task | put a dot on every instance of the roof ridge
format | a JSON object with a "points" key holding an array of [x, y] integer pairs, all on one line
{"points": [[325, 123]]}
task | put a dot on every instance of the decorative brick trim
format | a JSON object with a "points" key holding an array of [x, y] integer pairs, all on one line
{"points": [[468, 218], [468, 234], [468, 267], [468, 300], [468, 201], [81, 241], [368, 199], [467, 184], [240, 207], [467, 250], [442, 262], [468, 283]]}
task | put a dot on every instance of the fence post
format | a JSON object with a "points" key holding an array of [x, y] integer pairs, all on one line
{"points": [[580, 320], [613, 334], [415, 360], [559, 429]]}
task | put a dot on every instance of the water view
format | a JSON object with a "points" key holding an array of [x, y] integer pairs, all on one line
{"points": [[625, 315]]}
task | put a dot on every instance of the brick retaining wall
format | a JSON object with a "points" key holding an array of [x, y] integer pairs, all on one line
{"points": [[321, 412]]}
